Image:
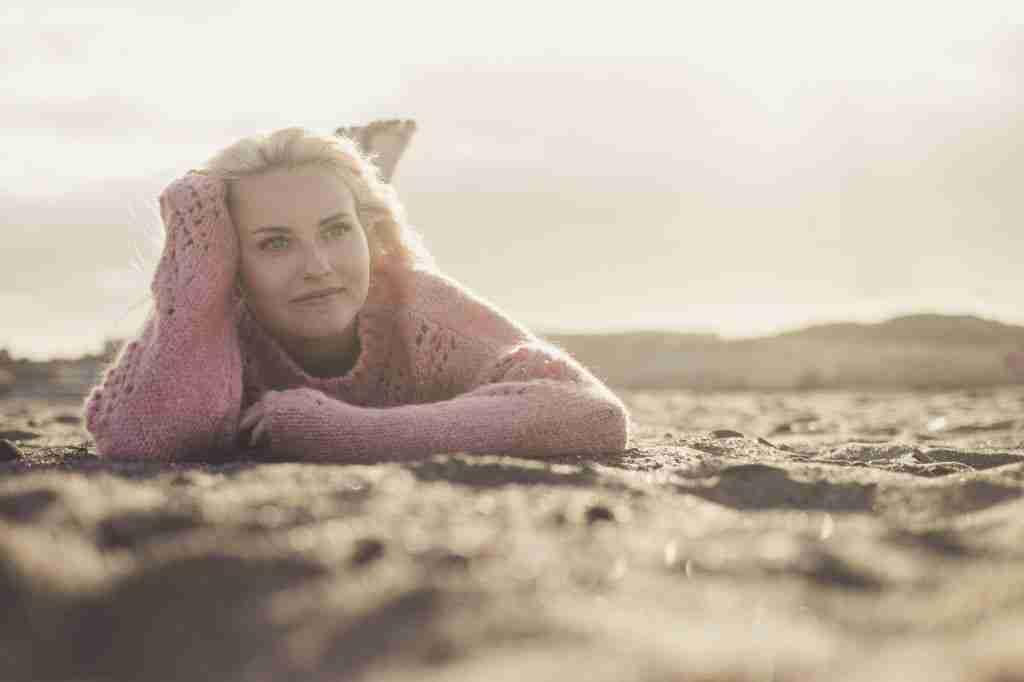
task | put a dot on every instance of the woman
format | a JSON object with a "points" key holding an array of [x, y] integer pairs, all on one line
{"points": [[297, 312]]}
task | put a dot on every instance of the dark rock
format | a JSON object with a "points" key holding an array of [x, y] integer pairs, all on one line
{"points": [[366, 550], [130, 529], [8, 451], [26, 506], [941, 541], [726, 433], [828, 569], [67, 418], [760, 486], [558, 518], [17, 434], [445, 559], [599, 512]]}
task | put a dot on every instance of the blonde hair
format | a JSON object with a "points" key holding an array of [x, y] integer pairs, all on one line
{"points": [[377, 205]]}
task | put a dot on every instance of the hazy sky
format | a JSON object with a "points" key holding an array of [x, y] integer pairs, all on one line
{"points": [[730, 167]]}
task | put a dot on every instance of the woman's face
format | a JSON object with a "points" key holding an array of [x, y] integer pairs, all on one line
{"points": [[299, 233]]}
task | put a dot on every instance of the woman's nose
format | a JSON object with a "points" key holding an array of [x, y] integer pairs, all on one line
{"points": [[317, 261]]}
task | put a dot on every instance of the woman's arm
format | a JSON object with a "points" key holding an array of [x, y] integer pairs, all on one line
{"points": [[485, 385], [175, 390], [530, 415]]}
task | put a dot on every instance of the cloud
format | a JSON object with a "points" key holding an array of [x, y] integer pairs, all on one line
{"points": [[111, 115], [51, 45]]}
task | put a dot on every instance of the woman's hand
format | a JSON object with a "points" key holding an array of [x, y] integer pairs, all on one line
{"points": [[255, 418], [200, 260], [295, 422]]}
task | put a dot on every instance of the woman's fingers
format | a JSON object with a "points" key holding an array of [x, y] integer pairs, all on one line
{"points": [[252, 415], [258, 432], [255, 419]]}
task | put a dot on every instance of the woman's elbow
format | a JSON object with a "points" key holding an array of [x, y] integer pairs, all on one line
{"points": [[124, 440], [616, 424], [116, 445], [133, 446], [134, 430]]}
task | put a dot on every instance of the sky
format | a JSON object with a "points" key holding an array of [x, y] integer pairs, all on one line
{"points": [[737, 168]]}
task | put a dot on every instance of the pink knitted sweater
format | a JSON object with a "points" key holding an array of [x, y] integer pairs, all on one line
{"points": [[439, 369]]}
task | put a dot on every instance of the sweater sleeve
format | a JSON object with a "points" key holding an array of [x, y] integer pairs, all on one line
{"points": [[174, 391], [513, 394]]}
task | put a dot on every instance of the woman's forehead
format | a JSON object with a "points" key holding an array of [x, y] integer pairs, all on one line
{"points": [[286, 196]]}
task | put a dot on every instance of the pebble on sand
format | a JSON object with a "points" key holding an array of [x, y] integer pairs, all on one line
{"points": [[8, 451], [18, 434]]}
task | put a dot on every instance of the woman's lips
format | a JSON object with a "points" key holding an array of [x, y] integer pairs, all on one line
{"points": [[319, 300]]}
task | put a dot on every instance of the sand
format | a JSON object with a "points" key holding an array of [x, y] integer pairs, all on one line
{"points": [[745, 536]]}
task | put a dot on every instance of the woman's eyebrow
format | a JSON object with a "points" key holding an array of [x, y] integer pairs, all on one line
{"points": [[276, 228]]}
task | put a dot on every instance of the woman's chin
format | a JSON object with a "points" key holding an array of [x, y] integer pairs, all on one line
{"points": [[310, 324], [323, 327]]}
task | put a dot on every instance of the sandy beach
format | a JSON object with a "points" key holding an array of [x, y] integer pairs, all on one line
{"points": [[745, 536]]}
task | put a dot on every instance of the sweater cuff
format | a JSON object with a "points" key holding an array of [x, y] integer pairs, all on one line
{"points": [[305, 424]]}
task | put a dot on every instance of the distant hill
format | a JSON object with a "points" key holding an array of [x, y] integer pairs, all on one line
{"points": [[923, 328], [926, 328], [912, 351]]}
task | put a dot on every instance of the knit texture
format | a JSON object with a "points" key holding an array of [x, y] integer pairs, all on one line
{"points": [[439, 368]]}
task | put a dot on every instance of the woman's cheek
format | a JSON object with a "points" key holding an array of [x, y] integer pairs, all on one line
{"points": [[268, 277]]}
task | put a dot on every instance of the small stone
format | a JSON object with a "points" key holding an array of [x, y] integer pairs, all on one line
{"points": [[599, 512], [726, 433], [366, 550], [8, 451], [446, 559], [67, 418]]}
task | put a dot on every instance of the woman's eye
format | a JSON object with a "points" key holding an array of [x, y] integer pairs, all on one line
{"points": [[271, 241], [339, 228]]}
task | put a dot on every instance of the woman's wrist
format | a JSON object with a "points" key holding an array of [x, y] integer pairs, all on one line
{"points": [[199, 266]]}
